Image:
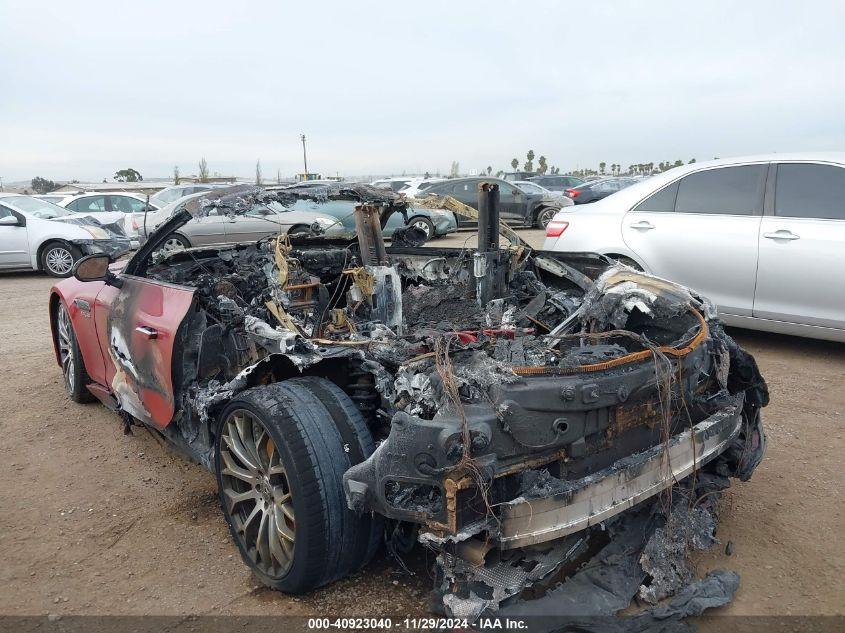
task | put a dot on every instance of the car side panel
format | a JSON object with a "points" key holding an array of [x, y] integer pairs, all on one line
{"points": [[143, 379], [80, 299], [800, 274]]}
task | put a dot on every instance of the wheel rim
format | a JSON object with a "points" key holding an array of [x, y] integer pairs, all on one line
{"points": [[546, 217], [65, 346], [173, 244], [424, 226], [257, 493], [59, 260]]}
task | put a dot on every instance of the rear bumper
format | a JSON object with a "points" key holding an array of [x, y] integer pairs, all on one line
{"points": [[588, 501]]}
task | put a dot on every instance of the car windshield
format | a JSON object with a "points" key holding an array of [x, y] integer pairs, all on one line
{"points": [[35, 207]]}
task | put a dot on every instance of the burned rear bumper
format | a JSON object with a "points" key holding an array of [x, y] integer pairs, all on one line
{"points": [[592, 499]]}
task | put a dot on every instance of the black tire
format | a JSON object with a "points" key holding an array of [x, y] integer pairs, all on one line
{"points": [[544, 216], [359, 445], [329, 540], [424, 224], [57, 258], [73, 367]]}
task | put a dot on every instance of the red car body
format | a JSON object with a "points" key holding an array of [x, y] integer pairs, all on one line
{"points": [[126, 337]]}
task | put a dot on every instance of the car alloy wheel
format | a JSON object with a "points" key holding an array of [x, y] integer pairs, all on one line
{"points": [[58, 260], [545, 217], [425, 226], [65, 341], [257, 493], [173, 244]]}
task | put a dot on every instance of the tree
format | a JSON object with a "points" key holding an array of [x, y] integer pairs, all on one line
{"points": [[602, 165], [128, 175], [455, 170], [542, 166], [42, 185], [427, 175], [258, 172], [278, 176], [489, 170], [692, 160], [203, 167], [529, 164], [515, 163], [176, 175]]}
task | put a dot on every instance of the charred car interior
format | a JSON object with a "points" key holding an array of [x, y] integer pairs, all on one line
{"points": [[525, 415]]}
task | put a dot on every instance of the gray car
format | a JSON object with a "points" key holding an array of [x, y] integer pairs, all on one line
{"points": [[219, 229]]}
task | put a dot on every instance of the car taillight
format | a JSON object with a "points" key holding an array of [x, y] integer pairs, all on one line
{"points": [[556, 227], [572, 193]]}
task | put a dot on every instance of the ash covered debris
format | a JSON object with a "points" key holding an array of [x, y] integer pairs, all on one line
{"points": [[517, 401]]}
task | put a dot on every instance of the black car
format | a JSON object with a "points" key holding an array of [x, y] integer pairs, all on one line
{"points": [[553, 182], [597, 189], [516, 206]]}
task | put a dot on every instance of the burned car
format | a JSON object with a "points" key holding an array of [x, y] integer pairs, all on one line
{"points": [[494, 404]]}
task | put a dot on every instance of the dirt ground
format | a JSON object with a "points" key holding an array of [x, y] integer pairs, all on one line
{"points": [[95, 522]]}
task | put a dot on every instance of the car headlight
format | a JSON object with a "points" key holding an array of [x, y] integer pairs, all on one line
{"points": [[96, 233]]}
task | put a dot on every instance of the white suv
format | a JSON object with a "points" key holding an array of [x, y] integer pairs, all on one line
{"points": [[763, 237]]}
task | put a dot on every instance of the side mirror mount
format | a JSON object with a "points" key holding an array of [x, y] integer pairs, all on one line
{"points": [[96, 268]]}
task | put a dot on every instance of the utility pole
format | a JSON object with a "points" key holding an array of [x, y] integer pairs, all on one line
{"points": [[304, 156]]}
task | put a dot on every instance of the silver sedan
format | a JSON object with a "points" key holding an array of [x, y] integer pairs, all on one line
{"points": [[218, 229]]}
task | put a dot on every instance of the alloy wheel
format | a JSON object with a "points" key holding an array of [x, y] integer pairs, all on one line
{"points": [[257, 493], [546, 216], [65, 346], [173, 244], [59, 260], [423, 226]]}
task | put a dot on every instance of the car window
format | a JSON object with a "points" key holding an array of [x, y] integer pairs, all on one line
{"points": [[125, 204], [4, 211], [93, 204], [662, 201], [725, 191], [810, 191], [605, 186], [505, 189]]}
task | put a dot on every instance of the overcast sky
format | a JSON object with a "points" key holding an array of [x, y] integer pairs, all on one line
{"points": [[87, 88]]}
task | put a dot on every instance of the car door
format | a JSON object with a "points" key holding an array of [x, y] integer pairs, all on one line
{"points": [[261, 221], [14, 241], [701, 231], [138, 330], [513, 205], [209, 230], [802, 247]]}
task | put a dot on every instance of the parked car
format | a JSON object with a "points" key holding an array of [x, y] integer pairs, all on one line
{"points": [[38, 235], [394, 183], [216, 229], [344, 396], [133, 206], [433, 222], [516, 206], [763, 236], [597, 189], [413, 188], [532, 187], [556, 182], [174, 192]]}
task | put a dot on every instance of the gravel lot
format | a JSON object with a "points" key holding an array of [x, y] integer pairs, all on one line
{"points": [[95, 522]]}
